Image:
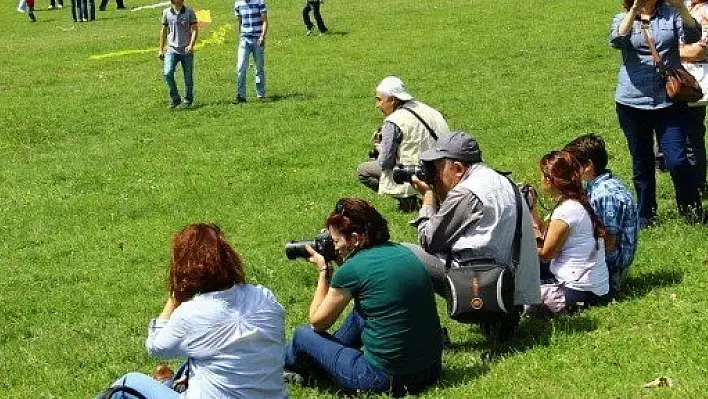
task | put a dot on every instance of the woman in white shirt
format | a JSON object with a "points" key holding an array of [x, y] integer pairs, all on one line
{"points": [[231, 333], [573, 235]]}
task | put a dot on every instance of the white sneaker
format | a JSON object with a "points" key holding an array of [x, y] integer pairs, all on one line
{"points": [[60, 6]]}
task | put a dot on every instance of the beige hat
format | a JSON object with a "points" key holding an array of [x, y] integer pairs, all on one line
{"points": [[393, 86]]}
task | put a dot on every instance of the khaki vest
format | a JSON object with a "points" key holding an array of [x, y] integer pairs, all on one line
{"points": [[416, 139]]}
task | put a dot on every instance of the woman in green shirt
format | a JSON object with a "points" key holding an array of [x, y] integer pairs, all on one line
{"points": [[390, 342]]}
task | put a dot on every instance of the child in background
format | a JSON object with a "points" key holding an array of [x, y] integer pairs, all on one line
{"points": [[612, 203]]}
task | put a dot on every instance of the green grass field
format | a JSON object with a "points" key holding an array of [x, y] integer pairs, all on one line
{"points": [[97, 174]]}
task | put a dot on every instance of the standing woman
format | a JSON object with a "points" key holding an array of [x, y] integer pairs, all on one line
{"points": [[695, 58], [643, 106]]}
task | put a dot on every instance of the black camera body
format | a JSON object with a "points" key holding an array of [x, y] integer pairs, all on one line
{"points": [[528, 193], [322, 244], [424, 171]]}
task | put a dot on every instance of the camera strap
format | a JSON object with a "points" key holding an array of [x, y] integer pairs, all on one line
{"points": [[430, 130]]}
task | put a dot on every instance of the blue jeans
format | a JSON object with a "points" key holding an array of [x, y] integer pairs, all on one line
{"points": [[187, 60], [146, 385], [247, 46], [83, 9], [696, 131], [338, 355], [669, 125]]}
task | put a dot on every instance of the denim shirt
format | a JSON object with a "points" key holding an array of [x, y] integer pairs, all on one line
{"points": [[638, 83]]}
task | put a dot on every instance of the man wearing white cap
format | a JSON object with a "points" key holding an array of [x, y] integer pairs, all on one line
{"points": [[410, 127]]}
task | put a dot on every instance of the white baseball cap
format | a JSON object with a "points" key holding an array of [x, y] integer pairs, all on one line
{"points": [[393, 86]]}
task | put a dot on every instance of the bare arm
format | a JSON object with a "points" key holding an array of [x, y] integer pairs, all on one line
{"points": [[556, 234], [327, 303], [163, 39], [261, 39], [193, 38]]}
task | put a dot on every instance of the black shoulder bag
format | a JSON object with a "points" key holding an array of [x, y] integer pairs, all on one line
{"points": [[482, 290]]}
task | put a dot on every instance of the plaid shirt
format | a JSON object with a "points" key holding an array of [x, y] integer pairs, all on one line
{"points": [[614, 205], [249, 13]]}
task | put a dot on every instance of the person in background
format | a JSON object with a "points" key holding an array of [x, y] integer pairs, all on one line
{"points": [[83, 10], [613, 204], [573, 235], [314, 6], [390, 342], [643, 106], [410, 127], [53, 4], [177, 38], [27, 6], [695, 58], [232, 333], [253, 27], [104, 3]]}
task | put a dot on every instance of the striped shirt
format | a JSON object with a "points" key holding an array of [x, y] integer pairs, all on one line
{"points": [[249, 14], [614, 205]]}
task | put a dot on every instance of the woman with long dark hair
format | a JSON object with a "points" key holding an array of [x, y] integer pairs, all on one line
{"points": [[391, 341], [231, 333], [572, 234], [644, 108]]}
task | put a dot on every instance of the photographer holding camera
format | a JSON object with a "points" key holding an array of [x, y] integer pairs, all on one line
{"points": [[390, 342], [469, 212], [409, 128]]}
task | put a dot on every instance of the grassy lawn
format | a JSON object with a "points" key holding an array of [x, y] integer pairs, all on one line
{"points": [[97, 174]]}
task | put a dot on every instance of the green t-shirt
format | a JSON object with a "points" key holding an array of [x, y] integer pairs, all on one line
{"points": [[392, 292]]}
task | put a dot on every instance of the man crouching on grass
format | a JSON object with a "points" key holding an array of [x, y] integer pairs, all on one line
{"points": [[179, 31]]}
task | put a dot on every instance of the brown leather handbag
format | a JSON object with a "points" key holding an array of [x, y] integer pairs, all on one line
{"points": [[681, 86]]}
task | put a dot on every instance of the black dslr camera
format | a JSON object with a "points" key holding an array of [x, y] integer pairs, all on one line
{"points": [[425, 171], [322, 244]]}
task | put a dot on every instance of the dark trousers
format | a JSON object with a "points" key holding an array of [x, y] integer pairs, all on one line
{"points": [[315, 7], [53, 3], [669, 126], [119, 5], [85, 9], [696, 132]]}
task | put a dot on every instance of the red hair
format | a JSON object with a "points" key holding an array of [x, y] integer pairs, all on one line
{"points": [[202, 261], [353, 215], [563, 172]]}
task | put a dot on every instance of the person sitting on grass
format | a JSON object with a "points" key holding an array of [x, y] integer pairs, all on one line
{"points": [[390, 342], [572, 237], [612, 203], [231, 333]]}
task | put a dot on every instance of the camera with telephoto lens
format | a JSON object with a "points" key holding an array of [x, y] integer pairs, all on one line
{"points": [[322, 244], [375, 141], [424, 171]]}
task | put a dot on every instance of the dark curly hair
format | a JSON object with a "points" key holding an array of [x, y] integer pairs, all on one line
{"points": [[202, 261], [629, 3], [353, 215], [563, 172]]}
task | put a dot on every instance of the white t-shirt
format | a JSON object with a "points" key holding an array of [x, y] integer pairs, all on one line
{"points": [[234, 339], [580, 264]]}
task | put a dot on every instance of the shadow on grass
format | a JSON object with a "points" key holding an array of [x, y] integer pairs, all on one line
{"points": [[641, 285], [337, 33]]}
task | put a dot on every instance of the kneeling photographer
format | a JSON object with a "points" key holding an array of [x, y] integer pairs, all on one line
{"points": [[470, 213], [409, 128], [390, 342]]}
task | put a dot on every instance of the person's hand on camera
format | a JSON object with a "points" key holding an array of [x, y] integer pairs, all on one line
{"points": [[420, 186], [316, 258]]}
